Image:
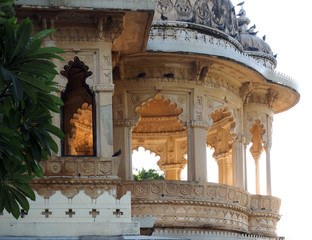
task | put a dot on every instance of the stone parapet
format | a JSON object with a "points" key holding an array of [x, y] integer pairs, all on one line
{"points": [[81, 166], [201, 205], [179, 37]]}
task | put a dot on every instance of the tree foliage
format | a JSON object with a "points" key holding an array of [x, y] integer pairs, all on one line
{"points": [[26, 99], [150, 174]]}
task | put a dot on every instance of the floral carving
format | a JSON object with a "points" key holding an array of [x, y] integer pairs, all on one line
{"points": [[185, 190], [171, 189], [183, 7], [201, 9], [156, 189], [199, 190], [88, 167], [164, 6], [105, 167], [142, 189], [55, 167], [257, 132]]}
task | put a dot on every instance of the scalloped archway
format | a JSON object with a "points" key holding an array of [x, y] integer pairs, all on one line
{"points": [[160, 130]]}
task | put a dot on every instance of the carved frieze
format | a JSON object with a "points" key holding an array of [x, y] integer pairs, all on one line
{"points": [[193, 204], [80, 166]]}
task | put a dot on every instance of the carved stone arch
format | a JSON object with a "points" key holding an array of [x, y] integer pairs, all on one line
{"points": [[219, 137], [150, 148], [77, 94], [159, 117], [160, 130]]}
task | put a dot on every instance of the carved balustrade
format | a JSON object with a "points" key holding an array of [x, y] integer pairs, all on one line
{"points": [[200, 205], [81, 166]]}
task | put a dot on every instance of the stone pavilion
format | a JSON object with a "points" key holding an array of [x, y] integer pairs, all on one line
{"points": [[174, 77]]}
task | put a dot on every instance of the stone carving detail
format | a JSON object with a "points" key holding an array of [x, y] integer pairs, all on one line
{"points": [[155, 111], [82, 166], [212, 13], [196, 204], [164, 6], [80, 140], [160, 130], [105, 167], [272, 95], [183, 7], [245, 92], [219, 137], [257, 132]]}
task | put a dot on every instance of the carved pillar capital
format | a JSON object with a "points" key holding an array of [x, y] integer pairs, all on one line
{"points": [[199, 124]]}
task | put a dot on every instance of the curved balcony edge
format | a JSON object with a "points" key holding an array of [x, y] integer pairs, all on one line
{"points": [[202, 205]]}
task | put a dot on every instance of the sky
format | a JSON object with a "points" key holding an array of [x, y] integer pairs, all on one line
{"points": [[287, 30]]}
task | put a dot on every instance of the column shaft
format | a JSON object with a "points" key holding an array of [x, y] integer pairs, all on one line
{"points": [[268, 170], [196, 153], [122, 140], [238, 164]]}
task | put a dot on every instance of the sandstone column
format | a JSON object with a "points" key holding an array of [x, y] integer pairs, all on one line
{"points": [[238, 162], [268, 169], [196, 151], [122, 141]]}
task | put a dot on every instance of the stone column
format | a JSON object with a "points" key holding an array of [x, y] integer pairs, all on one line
{"points": [[123, 141], [172, 171], [238, 162], [196, 151], [268, 169], [103, 98], [225, 168], [245, 166]]}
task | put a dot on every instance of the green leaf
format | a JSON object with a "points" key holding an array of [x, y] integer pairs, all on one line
{"points": [[14, 206], [44, 33], [17, 89], [49, 50], [26, 190], [21, 199], [23, 34], [54, 130]]}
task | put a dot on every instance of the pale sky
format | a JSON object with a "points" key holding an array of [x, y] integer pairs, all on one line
{"points": [[286, 25]]}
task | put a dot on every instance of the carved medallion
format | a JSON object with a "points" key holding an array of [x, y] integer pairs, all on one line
{"points": [[105, 167], [164, 6], [55, 167], [183, 7], [156, 189]]}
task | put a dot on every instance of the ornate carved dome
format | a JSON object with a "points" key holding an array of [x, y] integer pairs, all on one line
{"points": [[219, 14]]}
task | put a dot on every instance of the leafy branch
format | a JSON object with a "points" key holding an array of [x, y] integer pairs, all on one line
{"points": [[26, 103]]}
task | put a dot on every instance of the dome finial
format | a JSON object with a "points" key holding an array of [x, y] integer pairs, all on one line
{"points": [[242, 20]]}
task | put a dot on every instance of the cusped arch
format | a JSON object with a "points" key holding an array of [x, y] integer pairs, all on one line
{"points": [[159, 116], [77, 94], [160, 130]]}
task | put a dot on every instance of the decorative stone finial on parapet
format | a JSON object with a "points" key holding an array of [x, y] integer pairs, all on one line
{"points": [[242, 20]]}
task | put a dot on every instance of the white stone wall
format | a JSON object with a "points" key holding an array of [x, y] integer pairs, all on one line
{"points": [[51, 217]]}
